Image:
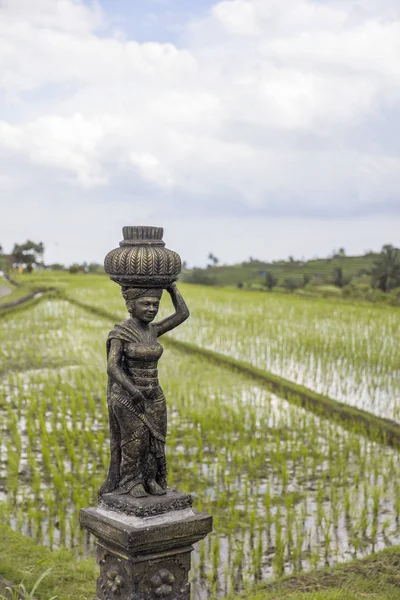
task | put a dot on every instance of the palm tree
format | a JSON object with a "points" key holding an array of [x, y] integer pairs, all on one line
{"points": [[386, 272], [213, 259]]}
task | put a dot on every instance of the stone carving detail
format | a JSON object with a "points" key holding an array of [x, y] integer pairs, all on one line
{"points": [[112, 578], [142, 259], [131, 506], [115, 581], [102, 556], [162, 583]]}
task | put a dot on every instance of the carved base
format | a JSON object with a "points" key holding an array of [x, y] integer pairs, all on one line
{"points": [[149, 506], [145, 558], [154, 576]]}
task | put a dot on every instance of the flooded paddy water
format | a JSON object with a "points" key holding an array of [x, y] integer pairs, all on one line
{"points": [[288, 490], [348, 351]]}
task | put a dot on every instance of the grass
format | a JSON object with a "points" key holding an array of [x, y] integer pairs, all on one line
{"points": [[374, 578], [16, 292], [22, 592], [5, 283], [23, 559]]}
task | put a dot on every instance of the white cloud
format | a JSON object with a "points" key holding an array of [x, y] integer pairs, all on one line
{"points": [[238, 17], [257, 17], [150, 168], [268, 106], [70, 145], [58, 15]]}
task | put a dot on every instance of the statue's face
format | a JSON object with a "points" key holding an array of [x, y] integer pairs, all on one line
{"points": [[144, 309]]}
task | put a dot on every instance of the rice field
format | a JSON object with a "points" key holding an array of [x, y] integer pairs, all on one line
{"points": [[350, 352], [288, 490]]}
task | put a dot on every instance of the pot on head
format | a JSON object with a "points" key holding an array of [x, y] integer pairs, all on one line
{"points": [[142, 260]]}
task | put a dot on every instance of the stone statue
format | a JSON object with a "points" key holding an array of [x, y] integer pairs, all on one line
{"points": [[145, 530], [136, 403]]}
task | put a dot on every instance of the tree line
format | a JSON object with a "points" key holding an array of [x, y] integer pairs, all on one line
{"points": [[382, 271], [385, 273], [28, 255]]}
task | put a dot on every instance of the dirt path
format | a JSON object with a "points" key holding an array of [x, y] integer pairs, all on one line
{"points": [[4, 291]]}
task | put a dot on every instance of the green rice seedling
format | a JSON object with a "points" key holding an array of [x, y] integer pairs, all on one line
{"points": [[279, 555], [290, 516], [327, 540], [345, 350], [315, 559], [299, 546]]}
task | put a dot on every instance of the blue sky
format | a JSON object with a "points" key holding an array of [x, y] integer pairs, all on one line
{"points": [[246, 127], [154, 20]]}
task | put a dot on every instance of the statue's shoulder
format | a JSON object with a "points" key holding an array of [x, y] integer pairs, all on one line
{"points": [[127, 323], [126, 331]]}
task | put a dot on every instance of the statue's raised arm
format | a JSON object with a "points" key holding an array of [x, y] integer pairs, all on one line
{"points": [[180, 315]]}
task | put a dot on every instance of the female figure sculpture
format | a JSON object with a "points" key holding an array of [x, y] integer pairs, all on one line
{"points": [[143, 267], [136, 403]]}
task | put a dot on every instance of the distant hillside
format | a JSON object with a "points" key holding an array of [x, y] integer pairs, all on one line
{"points": [[252, 274]]}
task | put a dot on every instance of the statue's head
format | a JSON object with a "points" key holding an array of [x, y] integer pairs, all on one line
{"points": [[142, 303]]}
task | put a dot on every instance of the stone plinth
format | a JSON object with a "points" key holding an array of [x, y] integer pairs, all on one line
{"points": [[146, 557], [149, 506]]}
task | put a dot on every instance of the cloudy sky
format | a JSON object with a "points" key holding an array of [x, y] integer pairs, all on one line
{"points": [[243, 127]]}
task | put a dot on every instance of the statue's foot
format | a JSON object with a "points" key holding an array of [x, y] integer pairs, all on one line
{"points": [[154, 489], [138, 491], [162, 482]]}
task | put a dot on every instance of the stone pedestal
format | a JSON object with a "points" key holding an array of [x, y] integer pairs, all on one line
{"points": [[145, 554]]}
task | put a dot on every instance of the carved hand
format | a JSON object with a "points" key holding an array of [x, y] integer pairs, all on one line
{"points": [[171, 288], [139, 401]]}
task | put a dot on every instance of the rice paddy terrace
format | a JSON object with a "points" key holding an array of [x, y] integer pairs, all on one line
{"points": [[289, 488]]}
